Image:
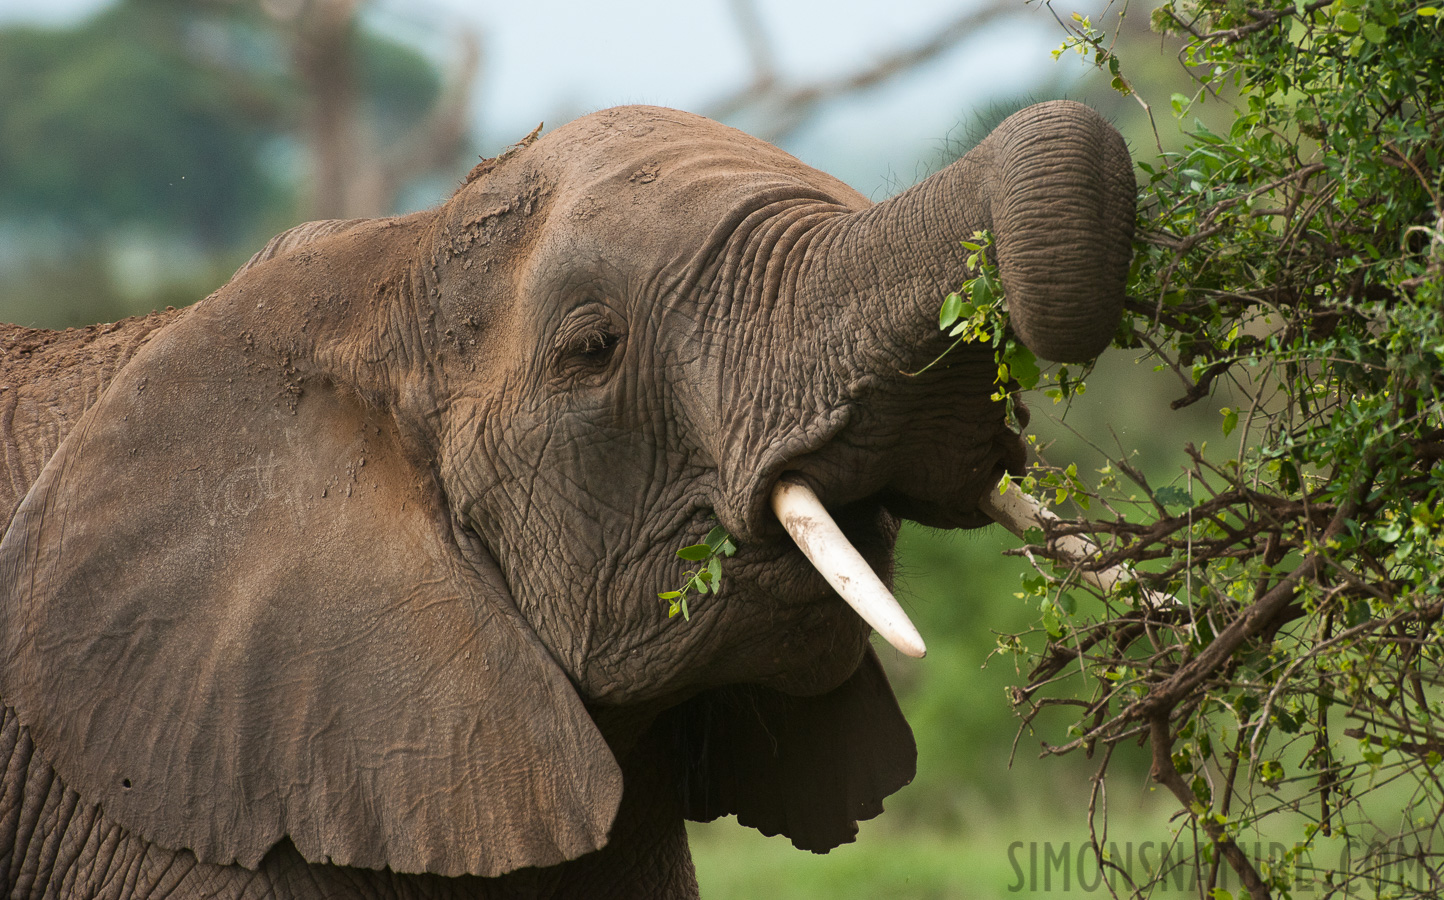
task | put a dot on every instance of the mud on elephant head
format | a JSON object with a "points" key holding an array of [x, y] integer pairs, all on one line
{"points": [[364, 549]]}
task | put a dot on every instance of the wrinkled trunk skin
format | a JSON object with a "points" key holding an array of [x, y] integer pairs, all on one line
{"points": [[1054, 184]]}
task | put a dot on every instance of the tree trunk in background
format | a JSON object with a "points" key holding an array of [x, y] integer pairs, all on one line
{"points": [[351, 176], [325, 64]]}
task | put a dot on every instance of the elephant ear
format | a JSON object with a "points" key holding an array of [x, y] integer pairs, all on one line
{"points": [[810, 768], [236, 609]]}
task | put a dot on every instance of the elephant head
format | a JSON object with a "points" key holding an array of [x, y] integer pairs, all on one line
{"points": [[364, 549]]}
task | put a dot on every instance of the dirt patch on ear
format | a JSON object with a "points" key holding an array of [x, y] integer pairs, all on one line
{"points": [[486, 165]]}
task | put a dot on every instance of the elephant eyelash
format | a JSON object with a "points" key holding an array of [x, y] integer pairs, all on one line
{"points": [[586, 355], [596, 345]]}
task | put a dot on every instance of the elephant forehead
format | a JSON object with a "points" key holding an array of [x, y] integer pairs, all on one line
{"points": [[688, 163]]}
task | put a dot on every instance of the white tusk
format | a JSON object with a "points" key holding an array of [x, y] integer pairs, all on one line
{"points": [[829, 551], [1017, 512]]}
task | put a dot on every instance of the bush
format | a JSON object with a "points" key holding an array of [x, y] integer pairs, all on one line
{"points": [[1280, 651]]}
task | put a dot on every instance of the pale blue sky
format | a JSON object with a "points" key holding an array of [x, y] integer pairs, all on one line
{"points": [[554, 59]]}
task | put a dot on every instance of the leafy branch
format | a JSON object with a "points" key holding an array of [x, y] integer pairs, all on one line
{"points": [[1295, 260], [707, 577]]}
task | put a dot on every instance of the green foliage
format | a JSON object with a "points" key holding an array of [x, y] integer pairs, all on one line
{"points": [[167, 132], [707, 577], [977, 314], [175, 116], [1295, 262]]}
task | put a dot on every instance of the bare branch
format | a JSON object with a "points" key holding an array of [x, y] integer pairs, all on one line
{"points": [[760, 52], [789, 107]]}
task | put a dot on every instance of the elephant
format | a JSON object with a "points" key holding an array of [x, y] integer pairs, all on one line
{"points": [[343, 581]]}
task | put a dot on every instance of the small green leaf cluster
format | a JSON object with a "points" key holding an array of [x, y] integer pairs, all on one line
{"points": [[1059, 485], [1086, 38], [708, 577], [977, 314]]}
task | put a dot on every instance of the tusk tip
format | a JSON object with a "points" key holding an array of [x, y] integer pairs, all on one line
{"points": [[908, 643]]}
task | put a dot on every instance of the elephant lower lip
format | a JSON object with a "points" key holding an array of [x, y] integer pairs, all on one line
{"points": [[934, 515]]}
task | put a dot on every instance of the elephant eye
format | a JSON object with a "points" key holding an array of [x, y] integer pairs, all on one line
{"points": [[586, 354]]}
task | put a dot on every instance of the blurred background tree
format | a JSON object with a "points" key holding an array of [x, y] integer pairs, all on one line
{"points": [[146, 150]]}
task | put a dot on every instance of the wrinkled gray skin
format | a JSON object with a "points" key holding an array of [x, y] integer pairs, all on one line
{"points": [[343, 581]]}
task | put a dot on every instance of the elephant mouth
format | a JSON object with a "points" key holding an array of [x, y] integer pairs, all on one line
{"points": [[946, 493], [850, 543], [963, 510]]}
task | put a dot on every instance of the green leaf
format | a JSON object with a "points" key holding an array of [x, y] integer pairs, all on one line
{"points": [[1201, 790], [1286, 722], [1052, 622], [1375, 33], [1288, 476], [1348, 22], [952, 308], [669, 595], [716, 538], [695, 552], [1171, 495], [1024, 366], [1230, 420]]}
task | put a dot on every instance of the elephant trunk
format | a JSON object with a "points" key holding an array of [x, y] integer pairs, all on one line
{"points": [[1054, 184]]}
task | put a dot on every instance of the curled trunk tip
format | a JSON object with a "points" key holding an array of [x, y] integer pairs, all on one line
{"points": [[1063, 212]]}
